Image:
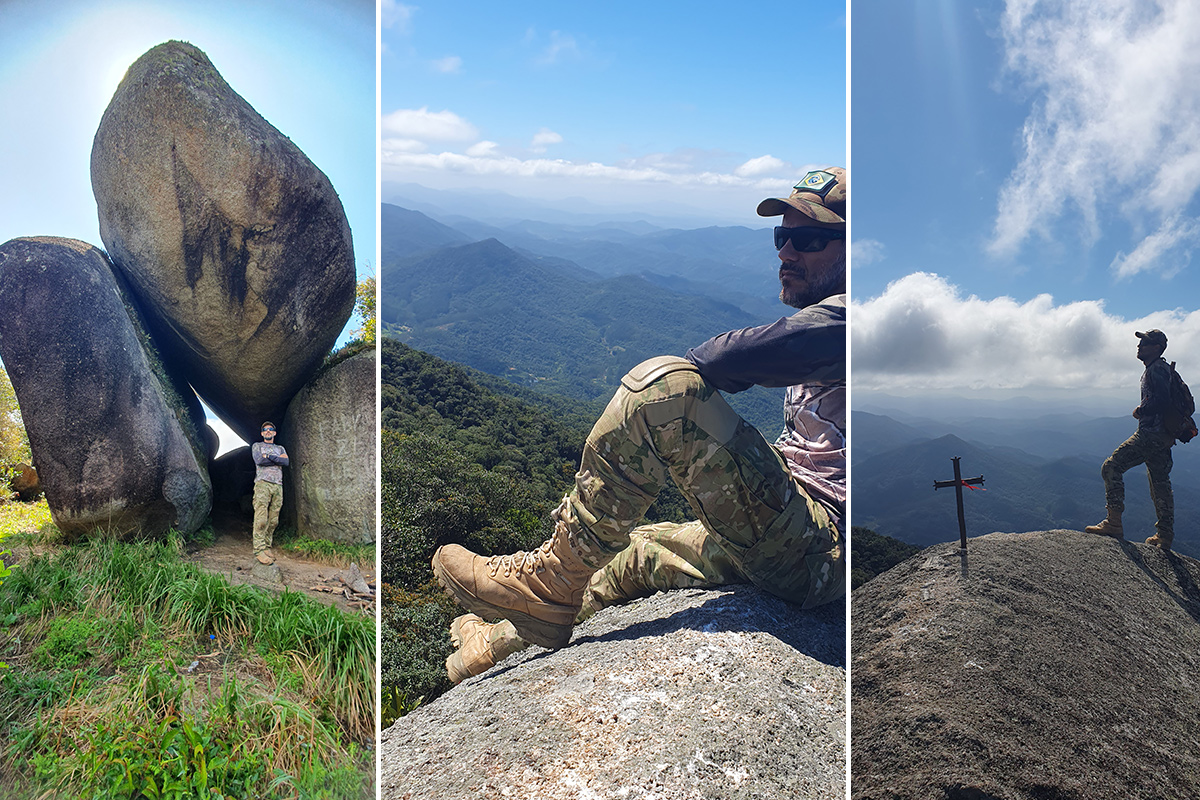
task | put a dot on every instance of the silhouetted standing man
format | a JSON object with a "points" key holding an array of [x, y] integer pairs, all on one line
{"points": [[1150, 444]]}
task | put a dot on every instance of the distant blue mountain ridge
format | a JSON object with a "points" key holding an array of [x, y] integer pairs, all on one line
{"points": [[523, 310], [1041, 473]]}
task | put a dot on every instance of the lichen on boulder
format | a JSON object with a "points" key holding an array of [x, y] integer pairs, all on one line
{"points": [[331, 435], [115, 436]]}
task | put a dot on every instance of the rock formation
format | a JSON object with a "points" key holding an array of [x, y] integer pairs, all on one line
{"points": [[726, 693], [1051, 666], [117, 443], [331, 436], [25, 483], [232, 240]]}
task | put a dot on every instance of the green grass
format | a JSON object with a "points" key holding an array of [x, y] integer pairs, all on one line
{"points": [[29, 519], [138, 675], [322, 551]]}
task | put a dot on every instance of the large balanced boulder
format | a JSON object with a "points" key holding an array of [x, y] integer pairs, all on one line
{"points": [[1053, 665], [234, 242], [331, 438], [704, 694], [116, 439]]}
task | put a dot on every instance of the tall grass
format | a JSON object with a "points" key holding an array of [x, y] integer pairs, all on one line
{"points": [[122, 621]]}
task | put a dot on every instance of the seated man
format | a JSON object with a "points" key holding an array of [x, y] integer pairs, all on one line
{"points": [[767, 515]]}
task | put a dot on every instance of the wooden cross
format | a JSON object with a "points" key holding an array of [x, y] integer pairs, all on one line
{"points": [[958, 483]]}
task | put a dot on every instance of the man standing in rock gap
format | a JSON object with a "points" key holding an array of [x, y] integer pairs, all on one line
{"points": [[269, 461], [1150, 444], [767, 515]]}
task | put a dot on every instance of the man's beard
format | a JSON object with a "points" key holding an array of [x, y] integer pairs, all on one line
{"points": [[831, 281]]}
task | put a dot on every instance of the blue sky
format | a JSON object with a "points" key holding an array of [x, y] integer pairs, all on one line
{"points": [[1026, 178], [627, 104], [307, 67]]}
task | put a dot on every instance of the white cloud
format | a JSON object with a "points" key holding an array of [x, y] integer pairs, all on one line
{"points": [[866, 251], [1115, 123], [562, 47], [484, 159], [484, 149], [428, 126], [1167, 250], [449, 64], [396, 15], [921, 333], [542, 138], [397, 145], [763, 165]]}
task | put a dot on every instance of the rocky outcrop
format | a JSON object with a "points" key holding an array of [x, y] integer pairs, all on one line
{"points": [[117, 443], [234, 242], [25, 483], [331, 437], [726, 693], [1054, 665]]}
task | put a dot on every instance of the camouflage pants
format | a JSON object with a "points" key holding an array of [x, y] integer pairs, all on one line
{"points": [[759, 522], [1154, 450], [663, 556], [268, 498]]}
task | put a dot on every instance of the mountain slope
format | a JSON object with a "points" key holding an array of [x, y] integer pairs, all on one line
{"points": [[487, 306], [1046, 666]]}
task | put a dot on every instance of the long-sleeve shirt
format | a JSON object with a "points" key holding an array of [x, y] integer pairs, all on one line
{"points": [[269, 459], [1156, 396], [807, 353]]}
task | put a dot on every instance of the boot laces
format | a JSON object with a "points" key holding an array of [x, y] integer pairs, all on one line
{"points": [[529, 562]]}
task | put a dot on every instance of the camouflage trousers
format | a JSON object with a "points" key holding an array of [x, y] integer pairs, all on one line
{"points": [[268, 498], [660, 557], [1154, 450], [756, 522]]}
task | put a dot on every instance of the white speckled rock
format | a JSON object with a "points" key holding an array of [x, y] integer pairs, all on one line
{"points": [[713, 694]]}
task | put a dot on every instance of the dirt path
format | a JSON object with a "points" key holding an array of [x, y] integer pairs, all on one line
{"points": [[231, 557]]}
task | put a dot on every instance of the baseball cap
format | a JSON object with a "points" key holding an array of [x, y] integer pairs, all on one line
{"points": [[821, 194], [1153, 336]]}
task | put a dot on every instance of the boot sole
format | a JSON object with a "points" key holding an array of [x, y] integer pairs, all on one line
{"points": [[531, 629]]}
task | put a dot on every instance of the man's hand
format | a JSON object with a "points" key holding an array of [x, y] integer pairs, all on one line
{"points": [[1137, 413]]}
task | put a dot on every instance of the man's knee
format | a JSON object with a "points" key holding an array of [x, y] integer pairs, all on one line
{"points": [[1111, 469], [645, 374]]}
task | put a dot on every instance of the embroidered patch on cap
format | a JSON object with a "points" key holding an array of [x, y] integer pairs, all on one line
{"points": [[819, 182]]}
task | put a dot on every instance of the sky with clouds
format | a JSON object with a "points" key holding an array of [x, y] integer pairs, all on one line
{"points": [[308, 68], [627, 104], [1026, 180]]}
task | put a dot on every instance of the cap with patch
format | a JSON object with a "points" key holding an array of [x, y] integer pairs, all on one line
{"points": [[821, 194], [1153, 336]]}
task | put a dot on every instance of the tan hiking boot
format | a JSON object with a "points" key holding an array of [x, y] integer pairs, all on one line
{"points": [[480, 646], [1109, 526], [265, 558], [1158, 541], [539, 592]]}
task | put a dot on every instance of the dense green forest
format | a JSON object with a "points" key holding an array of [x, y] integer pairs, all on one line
{"points": [[874, 554], [462, 462]]}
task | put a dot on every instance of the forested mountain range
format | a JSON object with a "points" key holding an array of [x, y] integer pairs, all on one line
{"points": [[895, 464], [545, 322], [471, 459], [734, 264]]}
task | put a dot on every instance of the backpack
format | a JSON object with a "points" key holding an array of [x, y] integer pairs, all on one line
{"points": [[1178, 418]]}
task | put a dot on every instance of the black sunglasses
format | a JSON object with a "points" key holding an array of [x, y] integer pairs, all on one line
{"points": [[806, 239], [268, 428]]}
